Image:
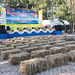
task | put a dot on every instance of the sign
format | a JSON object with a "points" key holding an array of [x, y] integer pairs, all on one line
{"points": [[2, 17], [19, 16]]}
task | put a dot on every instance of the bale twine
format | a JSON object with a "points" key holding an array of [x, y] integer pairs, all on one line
{"points": [[69, 47], [16, 58], [29, 50], [57, 59], [39, 53], [58, 49], [71, 55], [6, 53], [33, 66]]}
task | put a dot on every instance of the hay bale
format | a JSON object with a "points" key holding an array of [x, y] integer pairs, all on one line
{"points": [[60, 44], [46, 47], [8, 44], [57, 59], [69, 47], [39, 44], [51, 43], [6, 53], [5, 48], [33, 66], [16, 58], [58, 49], [22, 47], [71, 55], [29, 50], [16, 44], [2, 46], [39, 53], [31, 44], [69, 38], [70, 42]]}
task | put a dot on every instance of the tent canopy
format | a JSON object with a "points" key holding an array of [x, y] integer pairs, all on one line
{"points": [[66, 22], [56, 22], [52, 23]]}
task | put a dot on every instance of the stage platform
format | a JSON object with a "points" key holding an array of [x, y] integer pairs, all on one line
{"points": [[26, 33]]}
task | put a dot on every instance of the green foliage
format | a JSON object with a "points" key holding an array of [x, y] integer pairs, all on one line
{"points": [[64, 11]]}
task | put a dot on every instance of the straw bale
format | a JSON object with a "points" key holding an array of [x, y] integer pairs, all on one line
{"points": [[58, 49], [39, 53], [16, 58], [71, 55], [14, 45], [34, 40], [60, 44], [47, 46], [6, 41], [31, 44], [6, 53], [33, 66], [5, 48], [8, 44], [69, 47], [69, 38], [30, 49], [57, 59], [2, 46], [22, 47], [51, 42], [39, 44], [70, 42]]}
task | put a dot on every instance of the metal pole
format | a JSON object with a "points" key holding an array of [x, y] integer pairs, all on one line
{"points": [[47, 12]]}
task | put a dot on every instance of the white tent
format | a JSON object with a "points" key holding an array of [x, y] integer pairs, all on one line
{"points": [[56, 22], [45, 22], [52, 23], [66, 22]]}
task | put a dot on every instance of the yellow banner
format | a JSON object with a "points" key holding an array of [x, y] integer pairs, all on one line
{"points": [[40, 17]]}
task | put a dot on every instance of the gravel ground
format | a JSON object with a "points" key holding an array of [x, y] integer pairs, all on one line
{"points": [[8, 69]]}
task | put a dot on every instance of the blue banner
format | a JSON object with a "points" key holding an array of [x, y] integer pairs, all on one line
{"points": [[19, 16]]}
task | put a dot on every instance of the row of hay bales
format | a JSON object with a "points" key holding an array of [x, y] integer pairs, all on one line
{"points": [[33, 52], [33, 66], [39, 53], [27, 48]]}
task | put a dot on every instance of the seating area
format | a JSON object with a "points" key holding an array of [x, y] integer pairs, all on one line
{"points": [[37, 53]]}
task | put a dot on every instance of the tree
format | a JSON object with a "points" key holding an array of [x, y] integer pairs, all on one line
{"points": [[64, 9]]}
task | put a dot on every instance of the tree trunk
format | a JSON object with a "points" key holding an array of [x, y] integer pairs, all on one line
{"points": [[73, 15]]}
